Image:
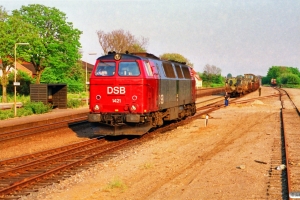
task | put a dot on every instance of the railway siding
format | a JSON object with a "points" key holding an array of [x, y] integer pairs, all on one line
{"points": [[292, 142], [57, 115]]}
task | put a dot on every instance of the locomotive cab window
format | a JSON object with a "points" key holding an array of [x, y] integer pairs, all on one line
{"points": [[105, 69], [128, 69], [186, 72]]}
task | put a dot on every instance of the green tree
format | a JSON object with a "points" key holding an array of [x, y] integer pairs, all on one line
{"points": [[58, 43], [25, 81], [293, 79], [176, 57], [74, 78], [12, 30], [283, 75], [121, 41], [212, 75]]}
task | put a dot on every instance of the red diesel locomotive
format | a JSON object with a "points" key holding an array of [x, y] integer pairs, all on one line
{"points": [[132, 93]]}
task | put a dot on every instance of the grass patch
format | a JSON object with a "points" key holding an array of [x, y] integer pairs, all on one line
{"points": [[29, 108], [36, 108], [146, 166], [5, 114], [79, 95], [116, 183], [75, 103]]}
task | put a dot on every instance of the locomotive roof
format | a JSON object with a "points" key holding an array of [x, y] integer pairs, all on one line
{"points": [[137, 55]]}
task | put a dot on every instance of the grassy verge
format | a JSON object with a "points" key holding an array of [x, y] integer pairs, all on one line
{"points": [[30, 108]]}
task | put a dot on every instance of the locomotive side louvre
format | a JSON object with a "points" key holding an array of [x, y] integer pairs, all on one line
{"points": [[176, 89]]}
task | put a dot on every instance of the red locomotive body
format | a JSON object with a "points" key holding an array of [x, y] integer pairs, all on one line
{"points": [[132, 93]]}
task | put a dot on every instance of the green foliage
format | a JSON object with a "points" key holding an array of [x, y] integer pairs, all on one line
{"points": [[176, 57], [212, 80], [58, 43], [6, 114], [74, 78], [74, 103], [116, 183], [13, 31], [20, 98], [25, 81], [265, 80], [37, 107], [29, 108], [292, 79], [283, 75], [78, 95], [3, 13]]}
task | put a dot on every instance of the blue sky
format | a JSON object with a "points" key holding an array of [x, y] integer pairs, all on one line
{"points": [[238, 36]]}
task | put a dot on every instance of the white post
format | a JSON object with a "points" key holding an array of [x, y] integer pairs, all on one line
{"points": [[206, 120], [15, 79], [86, 81]]}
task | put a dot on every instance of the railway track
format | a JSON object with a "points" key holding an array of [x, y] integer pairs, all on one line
{"points": [[22, 132], [209, 91], [23, 175], [285, 165]]}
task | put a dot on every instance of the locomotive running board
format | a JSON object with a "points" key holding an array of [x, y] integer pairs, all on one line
{"points": [[103, 129]]}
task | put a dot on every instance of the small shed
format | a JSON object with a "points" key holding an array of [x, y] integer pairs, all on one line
{"points": [[55, 94]]}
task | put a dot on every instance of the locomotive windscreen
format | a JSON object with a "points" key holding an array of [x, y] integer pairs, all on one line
{"points": [[128, 69], [105, 69]]}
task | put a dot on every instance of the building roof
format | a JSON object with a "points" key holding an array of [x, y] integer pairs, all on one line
{"points": [[87, 65], [29, 68], [23, 68]]}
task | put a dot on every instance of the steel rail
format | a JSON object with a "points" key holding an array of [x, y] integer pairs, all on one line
{"points": [[64, 163], [14, 134], [291, 154], [29, 158]]}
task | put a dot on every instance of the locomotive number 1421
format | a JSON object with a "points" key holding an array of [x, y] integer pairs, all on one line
{"points": [[116, 100]]}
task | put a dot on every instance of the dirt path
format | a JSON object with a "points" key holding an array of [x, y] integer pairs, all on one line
{"points": [[220, 161]]}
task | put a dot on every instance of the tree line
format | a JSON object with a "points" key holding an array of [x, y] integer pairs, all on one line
{"points": [[289, 76]]}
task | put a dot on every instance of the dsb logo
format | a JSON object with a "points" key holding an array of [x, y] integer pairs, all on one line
{"points": [[116, 90]]}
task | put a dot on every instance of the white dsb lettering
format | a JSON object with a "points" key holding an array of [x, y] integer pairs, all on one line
{"points": [[116, 90]]}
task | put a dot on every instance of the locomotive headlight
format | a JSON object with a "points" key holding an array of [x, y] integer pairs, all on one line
{"points": [[96, 107], [133, 107]]}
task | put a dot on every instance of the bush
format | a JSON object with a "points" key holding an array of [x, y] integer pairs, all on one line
{"points": [[6, 114], [24, 112], [25, 81], [37, 107], [74, 103], [28, 109]]}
